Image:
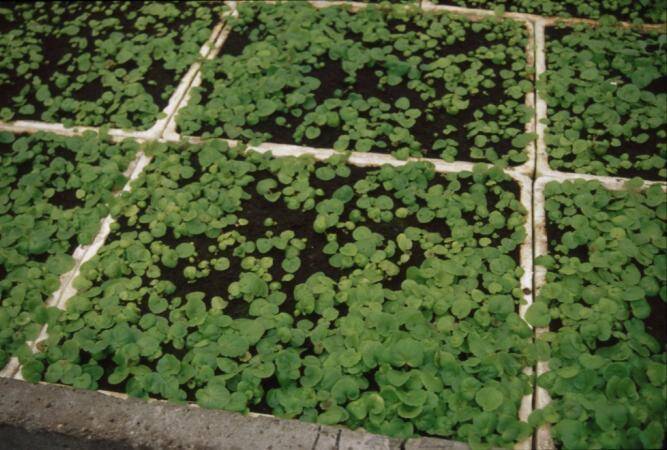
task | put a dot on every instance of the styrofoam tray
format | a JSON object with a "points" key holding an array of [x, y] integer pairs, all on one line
{"points": [[543, 439], [526, 168], [533, 201], [358, 159], [154, 132], [543, 169]]}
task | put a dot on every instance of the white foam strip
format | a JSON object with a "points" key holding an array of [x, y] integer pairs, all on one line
{"points": [[30, 126], [477, 13], [361, 159], [594, 23], [535, 17], [528, 168], [541, 105], [123, 396], [605, 180], [543, 439], [526, 262], [10, 368], [189, 404], [354, 6]]}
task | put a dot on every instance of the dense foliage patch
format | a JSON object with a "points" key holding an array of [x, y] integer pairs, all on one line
{"points": [[649, 11], [53, 191], [604, 303], [384, 1], [93, 63], [607, 101], [384, 80], [385, 298]]}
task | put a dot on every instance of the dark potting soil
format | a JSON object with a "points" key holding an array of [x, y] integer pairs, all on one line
{"points": [[656, 322], [332, 78], [313, 259], [5, 148], [650, 147], [55, 48]]}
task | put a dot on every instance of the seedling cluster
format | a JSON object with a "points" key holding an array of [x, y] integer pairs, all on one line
{"points": [[604, 303], [605, 90], [385, 298], [396, 81], [97, 63], [274, 252], [54, 190]]}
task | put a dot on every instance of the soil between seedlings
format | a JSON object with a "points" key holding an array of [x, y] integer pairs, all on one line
{"points": [[255, 210], [633, 149], [332, 79]]}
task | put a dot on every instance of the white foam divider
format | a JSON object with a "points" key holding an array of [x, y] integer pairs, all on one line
{"points": [[526, 261], [10, 368], [536, 17], [543, 439]]}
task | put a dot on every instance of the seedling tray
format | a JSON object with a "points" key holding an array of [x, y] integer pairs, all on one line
{"points": [[523, 252], [164, 131], [543, 438], [319, 135], [648, 147], [157, 128]]}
